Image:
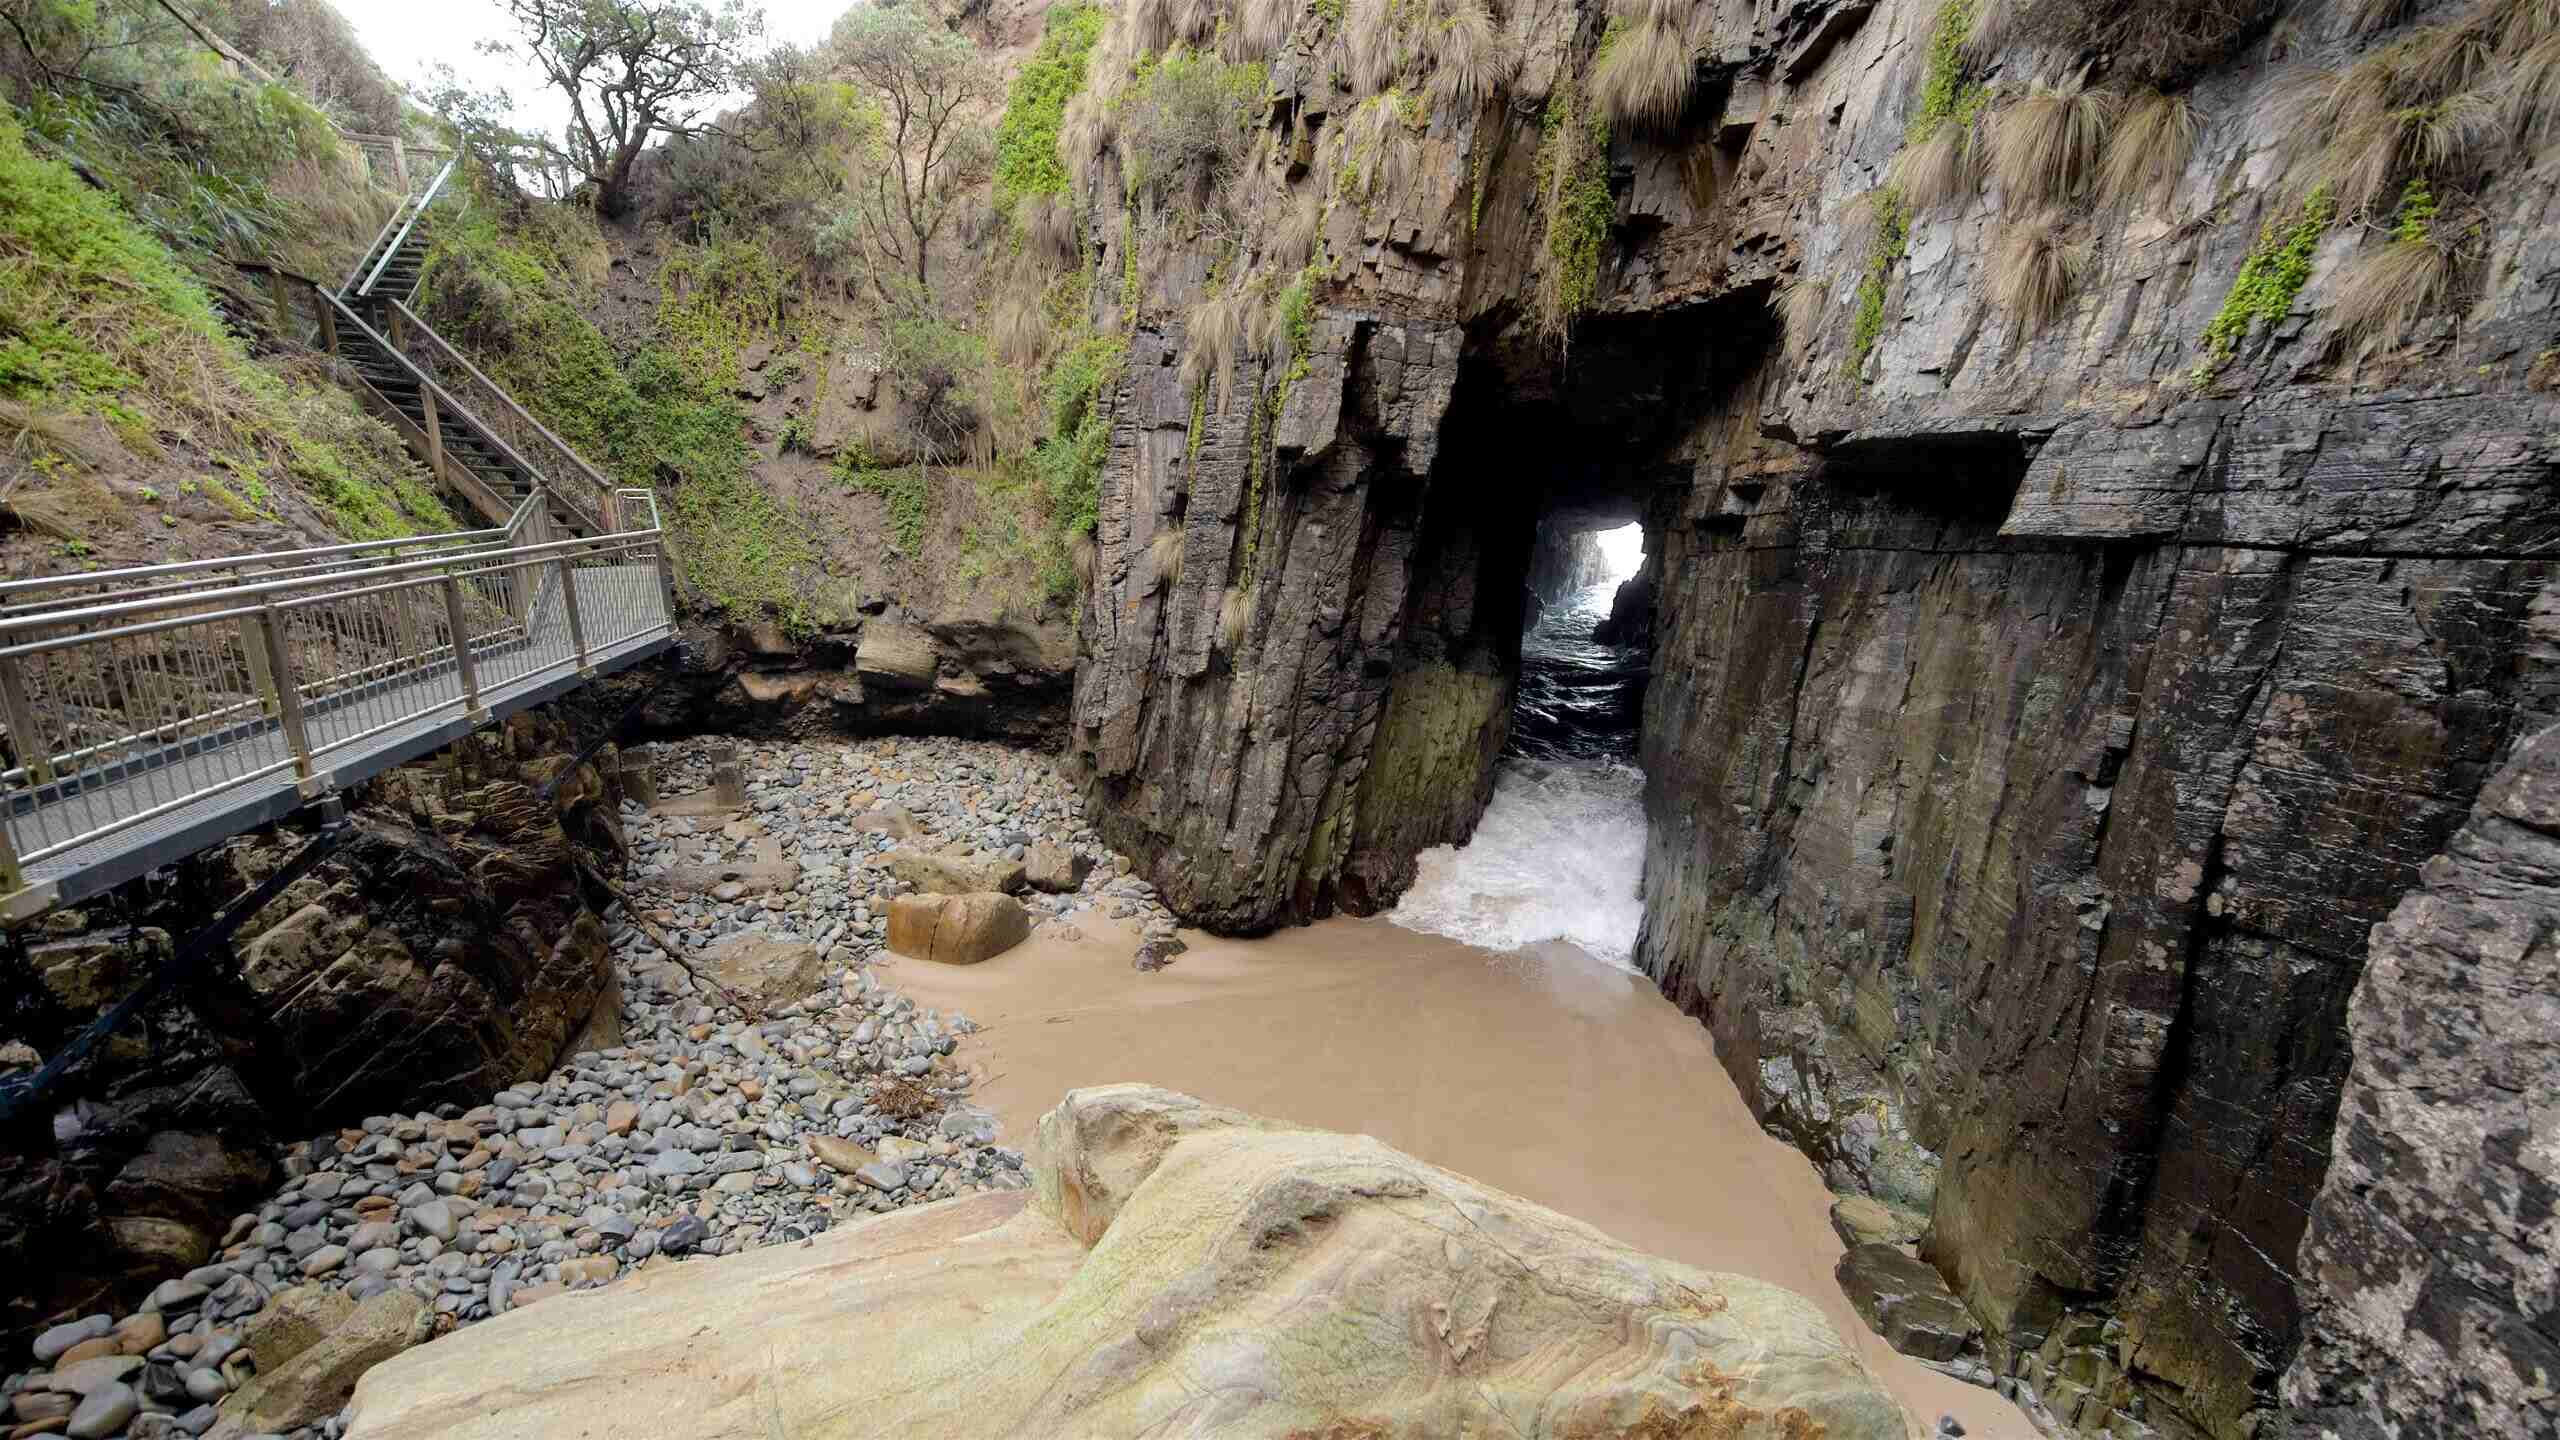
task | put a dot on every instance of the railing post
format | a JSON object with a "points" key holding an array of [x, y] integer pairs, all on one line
{"points": [[284, 306], [435, 430], [12, 878], [23, 729], [287, 697], [400, 163], [569, 605], [462, 662], [328, 325]]}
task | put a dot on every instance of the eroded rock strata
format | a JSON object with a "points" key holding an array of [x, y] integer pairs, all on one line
{"points": [[2043, 710]]}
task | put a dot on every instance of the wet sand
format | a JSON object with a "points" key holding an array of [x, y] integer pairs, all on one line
{"points": [[1547, 1074]]}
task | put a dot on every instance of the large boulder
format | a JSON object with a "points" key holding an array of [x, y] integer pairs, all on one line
{"points": [[2429, 1275], [1908, 1303], [767, 973], [315, 1383], [1055, 868], [942, 872], [892, 655], [1178, 1270], [956, 929]]}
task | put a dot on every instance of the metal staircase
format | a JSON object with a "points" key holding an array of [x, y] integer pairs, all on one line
{"points": [[151, 712]]}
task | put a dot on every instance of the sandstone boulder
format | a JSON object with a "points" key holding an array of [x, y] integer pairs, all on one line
{"points": [[1178, 1270], [892, 655], [292, 1322], [1052, 867], [938, 872], [767, 973], [956, 929], [313, 1385]]}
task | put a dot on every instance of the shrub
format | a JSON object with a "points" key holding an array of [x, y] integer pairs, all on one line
{"points": [[1645, 73], [2045, 144], [2149, 148], [2033, 269], [1184, 124], [1887, 224]]}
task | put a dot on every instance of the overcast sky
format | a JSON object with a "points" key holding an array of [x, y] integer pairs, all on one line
{"points": [[407, 37]]}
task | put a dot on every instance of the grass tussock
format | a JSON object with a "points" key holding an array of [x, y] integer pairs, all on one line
{"points": [[2383, 293], [2148, 149], [1164, 560], [1941, 169], [2033, 268], [1233, 610], [2158, 42], [1371, 51], [1213, 334], [1645, 73], [1469, 61], [2045, 145]]}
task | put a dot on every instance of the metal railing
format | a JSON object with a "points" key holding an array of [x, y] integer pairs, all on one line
{"points": [[579, 485], [396, 233], [267, 672], [425, 435]]}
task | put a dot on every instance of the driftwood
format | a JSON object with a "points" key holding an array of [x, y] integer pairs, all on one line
{"points": [[666, 942]]}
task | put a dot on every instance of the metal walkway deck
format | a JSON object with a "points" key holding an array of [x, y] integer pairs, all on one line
{"points": [[151, 713]]}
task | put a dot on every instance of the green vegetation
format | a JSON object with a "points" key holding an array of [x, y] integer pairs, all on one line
{"points": [[664, 416], [2415, 220], [1185, 119], [1580, 211], [1068, 460], [715, 299], [1891, 234], [1027, 160], [908, 490], [1945, 95], [99, 318], [2275, 272]]}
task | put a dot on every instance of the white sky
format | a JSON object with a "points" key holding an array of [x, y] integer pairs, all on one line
{"points": [[406, 37], [1623, 548]]}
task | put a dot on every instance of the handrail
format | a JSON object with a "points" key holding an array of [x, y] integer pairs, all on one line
{"points": [[445, 401], [269, 590], [573, 481], [415, 213], [263, 557]]}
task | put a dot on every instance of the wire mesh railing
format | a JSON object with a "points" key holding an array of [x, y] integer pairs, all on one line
{"points": [[177, 691]]}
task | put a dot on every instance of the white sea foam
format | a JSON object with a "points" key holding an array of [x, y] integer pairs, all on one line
{"points": [[1558, 856]]}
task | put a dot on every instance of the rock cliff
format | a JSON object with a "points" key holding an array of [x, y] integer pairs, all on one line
{"points": [[2432, 1301], [2077, 620]]}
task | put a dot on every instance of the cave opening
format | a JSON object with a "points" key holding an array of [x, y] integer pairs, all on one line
{"points": [[1536, 563]]}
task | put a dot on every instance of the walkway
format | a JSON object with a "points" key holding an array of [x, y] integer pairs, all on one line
{"points": [[152, 712]]}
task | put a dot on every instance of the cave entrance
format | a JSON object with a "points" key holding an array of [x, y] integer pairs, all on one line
{"points": [[1583, 660]]}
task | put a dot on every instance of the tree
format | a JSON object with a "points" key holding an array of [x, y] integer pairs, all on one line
{"points": [[929, 86], [633, 70]]}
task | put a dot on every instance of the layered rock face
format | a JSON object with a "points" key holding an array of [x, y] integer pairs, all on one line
{"points": [[447, 950], [1182, 1270], [2044, 708], [2434, 1287]]}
